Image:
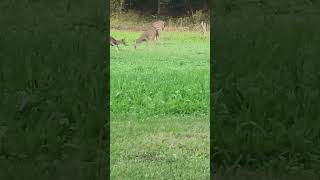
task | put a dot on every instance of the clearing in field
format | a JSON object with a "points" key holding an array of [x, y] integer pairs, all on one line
{"points": [[160, 107]]}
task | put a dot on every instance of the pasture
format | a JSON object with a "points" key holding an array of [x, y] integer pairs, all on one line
{"points": [[160, 107]]}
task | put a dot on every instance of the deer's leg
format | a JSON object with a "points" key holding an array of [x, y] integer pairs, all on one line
{"points": [[158, 35]]}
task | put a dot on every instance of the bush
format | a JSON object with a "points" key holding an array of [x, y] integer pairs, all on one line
{"points": [[133, 21]]}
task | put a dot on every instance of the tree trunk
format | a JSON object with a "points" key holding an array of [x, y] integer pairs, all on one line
{"points": [[205, 5], [187, 4], [190, 7], [121, 6], [159, 7]]}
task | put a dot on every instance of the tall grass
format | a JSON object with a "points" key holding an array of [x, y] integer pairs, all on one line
{"points": [[132, 20], [266, 92], [52, 90]]}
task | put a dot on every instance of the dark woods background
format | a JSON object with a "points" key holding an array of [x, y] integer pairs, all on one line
{"points": [[160, 7], [265, 89]]}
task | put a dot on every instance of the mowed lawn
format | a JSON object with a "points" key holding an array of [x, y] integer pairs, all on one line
{"points": [[160, 107]]}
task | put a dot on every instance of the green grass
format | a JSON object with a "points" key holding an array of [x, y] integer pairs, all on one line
{"points": [[267, 93], [160, 148], [160, 107], [167, 77]]}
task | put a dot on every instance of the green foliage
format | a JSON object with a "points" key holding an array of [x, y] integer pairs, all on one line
{"points": [[52, 107], [116, 6], [266, 91], [167, 7], [132, 20]]}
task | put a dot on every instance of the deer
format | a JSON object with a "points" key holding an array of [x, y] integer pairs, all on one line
{"points": [[114, 42], [159, 25], [148, 35]]}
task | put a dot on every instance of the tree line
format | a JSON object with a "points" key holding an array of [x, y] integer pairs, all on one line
{"points": [[160, 7]]}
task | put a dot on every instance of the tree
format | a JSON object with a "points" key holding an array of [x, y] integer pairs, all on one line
{"points": [[205, 5], [117, 6], [159, 7]]}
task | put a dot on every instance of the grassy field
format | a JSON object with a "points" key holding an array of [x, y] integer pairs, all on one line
{"points": [[160, 107]]}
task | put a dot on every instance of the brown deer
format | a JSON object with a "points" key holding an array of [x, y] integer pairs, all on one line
{"points": [[159, 25], [146, 36], [114, 42]]}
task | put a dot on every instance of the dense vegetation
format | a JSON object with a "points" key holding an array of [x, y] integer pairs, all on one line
{"points": [[52, 90], [266, 87], [179, 15], [159, 7]]}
